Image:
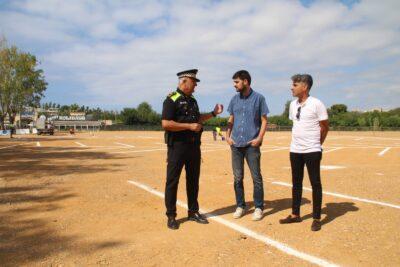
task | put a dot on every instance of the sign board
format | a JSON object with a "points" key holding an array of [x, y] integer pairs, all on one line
{"points": [[22, 131], [67, 118], [4, 132]]}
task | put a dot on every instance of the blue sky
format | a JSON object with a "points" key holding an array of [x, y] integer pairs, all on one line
{"points": [[116, 54]]}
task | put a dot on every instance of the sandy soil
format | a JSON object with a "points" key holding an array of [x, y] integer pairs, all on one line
{"points": [[65, 200]]}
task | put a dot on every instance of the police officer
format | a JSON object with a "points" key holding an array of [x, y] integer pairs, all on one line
{"points": [[182, 123]]}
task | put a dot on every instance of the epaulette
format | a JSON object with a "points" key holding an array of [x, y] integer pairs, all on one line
{"points": [[174, 95]]}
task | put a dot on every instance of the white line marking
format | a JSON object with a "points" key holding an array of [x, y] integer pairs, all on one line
{"points": [[80, 144], [331, 167], [358, 139], [241, 229], [138, 151], [147, 137], [122, 144], [345, 196], [212, 150], [38, 144], [4, 147], [384, 151], [214, 145], [276, 149], [333, 149]]}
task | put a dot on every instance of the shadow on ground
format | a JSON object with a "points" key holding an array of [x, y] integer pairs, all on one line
{"points": [[30, 190], [334, 210]]}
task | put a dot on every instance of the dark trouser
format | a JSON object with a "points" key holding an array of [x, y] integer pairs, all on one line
{"points": [[179, 155], [252, 156], [312, 161]]}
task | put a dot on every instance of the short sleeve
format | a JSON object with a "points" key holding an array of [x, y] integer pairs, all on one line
{"points": [[290, 111], [322, 113], [168, 112], [230, 107], [263, 106]]}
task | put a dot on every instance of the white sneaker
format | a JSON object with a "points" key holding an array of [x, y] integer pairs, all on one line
{"points": [[257, 215], [238, 213]]}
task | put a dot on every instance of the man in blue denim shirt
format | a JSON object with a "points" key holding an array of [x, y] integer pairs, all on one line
{"points": [[246, 128]]}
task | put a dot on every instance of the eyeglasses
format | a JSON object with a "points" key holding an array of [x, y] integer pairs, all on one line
{"points": [[298, 113]]}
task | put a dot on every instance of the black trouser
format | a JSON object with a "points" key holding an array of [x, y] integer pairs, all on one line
{"points": [[180, 154], [312, 161]]}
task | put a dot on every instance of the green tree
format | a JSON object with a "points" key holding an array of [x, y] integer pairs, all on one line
{"points": [[74, 107], [21, 84], [129, 116], [338, 109], [285, 113], [3, 81]]}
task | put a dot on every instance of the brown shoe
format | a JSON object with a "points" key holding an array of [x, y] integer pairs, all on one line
{"points": [[316, 225], [290, 219]]}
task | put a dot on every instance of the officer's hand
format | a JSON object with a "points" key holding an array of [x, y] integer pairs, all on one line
{"points": [[218, 109], [230, 141], [196, 127], [255, 142]]}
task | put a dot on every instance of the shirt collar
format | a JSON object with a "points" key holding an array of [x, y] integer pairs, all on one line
{"points": [[245, 97], [305, 102]]}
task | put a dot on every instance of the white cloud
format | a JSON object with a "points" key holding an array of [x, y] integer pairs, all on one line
{"points": [[126, 52]]}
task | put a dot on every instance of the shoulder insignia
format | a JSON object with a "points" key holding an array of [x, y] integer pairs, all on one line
{"points": [[174, 95]]}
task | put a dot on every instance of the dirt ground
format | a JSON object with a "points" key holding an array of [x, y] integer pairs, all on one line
{"points": [[66, 201]]}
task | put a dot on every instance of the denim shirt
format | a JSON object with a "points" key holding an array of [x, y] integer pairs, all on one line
{"points": [[247, 113]]}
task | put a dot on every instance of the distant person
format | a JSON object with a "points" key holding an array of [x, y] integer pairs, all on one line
{"points": [[310, 128], [219, 133], [246, 128], [214, 134], [12, 130]]}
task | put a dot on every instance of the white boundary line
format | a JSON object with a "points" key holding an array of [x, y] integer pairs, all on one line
{"points": [[146, 137], [138, 151], [212, 150], [384, 151], [345, 196], [276, 149], [80, 144], [333, 149], [4, 147], [122, 144], [241, 229]]}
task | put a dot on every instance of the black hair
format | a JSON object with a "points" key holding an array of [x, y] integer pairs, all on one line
{"points": [[243, 75]]}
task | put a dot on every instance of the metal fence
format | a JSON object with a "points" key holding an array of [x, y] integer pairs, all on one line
{"points": [[148, 127]]}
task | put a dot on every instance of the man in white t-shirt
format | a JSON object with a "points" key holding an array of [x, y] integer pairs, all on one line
{"points": [[310, 128]]}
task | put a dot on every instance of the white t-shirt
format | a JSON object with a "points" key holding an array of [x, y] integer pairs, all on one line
{"points": [[306, 132]]}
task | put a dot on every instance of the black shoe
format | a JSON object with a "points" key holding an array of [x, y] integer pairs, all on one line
{"points": [[290, 219], [172, 223], [316, 225], [197, 217]]}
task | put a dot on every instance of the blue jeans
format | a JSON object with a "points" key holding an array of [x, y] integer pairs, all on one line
{"points": [[252, 156]]}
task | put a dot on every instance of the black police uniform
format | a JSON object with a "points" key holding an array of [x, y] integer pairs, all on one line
{"points": [[183, 150]]}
